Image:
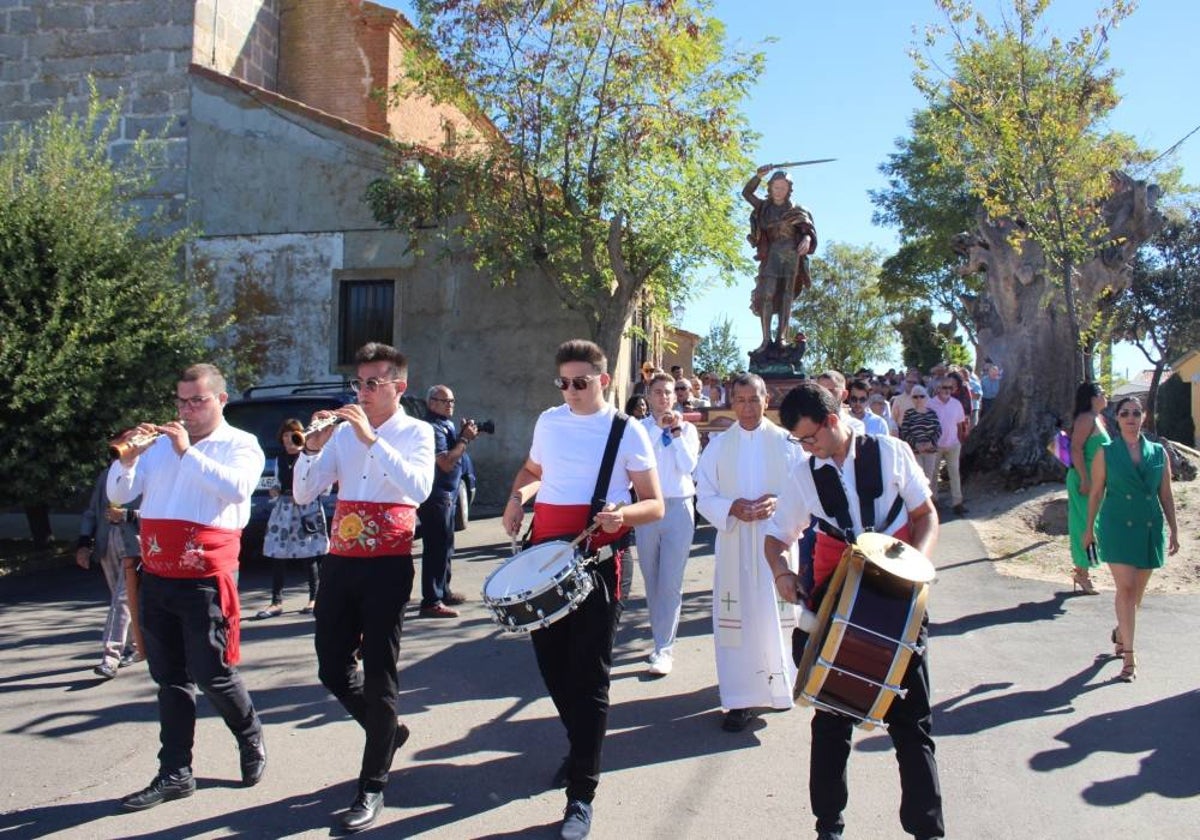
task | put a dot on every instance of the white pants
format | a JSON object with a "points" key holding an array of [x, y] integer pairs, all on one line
{"points": [[663, 548]]}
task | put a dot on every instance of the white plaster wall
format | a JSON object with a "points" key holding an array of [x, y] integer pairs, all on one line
{"points": [[278, 289]]}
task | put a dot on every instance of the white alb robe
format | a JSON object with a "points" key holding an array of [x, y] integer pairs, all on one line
{"points": [[751, 625]]}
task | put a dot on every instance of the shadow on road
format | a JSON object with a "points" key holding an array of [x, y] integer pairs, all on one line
{"points": [[1165, 730]]}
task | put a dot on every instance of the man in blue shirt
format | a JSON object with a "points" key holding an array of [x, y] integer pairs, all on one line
{"points": [[437, 512]]}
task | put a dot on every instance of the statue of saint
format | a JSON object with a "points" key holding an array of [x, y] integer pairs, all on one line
{"points": [[783, 236]]}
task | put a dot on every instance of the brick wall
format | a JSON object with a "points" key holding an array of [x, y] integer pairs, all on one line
{"points": [[333, 56], [239, 38]]}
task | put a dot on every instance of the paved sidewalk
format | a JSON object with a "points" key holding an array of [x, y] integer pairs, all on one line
{"points": [[1035, 739]]}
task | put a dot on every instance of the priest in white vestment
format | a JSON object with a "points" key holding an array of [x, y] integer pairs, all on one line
{"points": [[740, 474]]}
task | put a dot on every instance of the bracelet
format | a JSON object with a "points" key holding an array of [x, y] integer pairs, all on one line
{"points": [[516, 497], [784, 572]]}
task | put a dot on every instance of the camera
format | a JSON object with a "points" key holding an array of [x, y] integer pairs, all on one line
{"points": [[487, 427]]}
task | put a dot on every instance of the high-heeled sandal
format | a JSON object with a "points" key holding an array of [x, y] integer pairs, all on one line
{"points": [[1081, 580], [1129, 672], [1118, 648]]}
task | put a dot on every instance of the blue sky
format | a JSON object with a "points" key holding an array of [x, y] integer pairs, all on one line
{"points": [[838, 83]]}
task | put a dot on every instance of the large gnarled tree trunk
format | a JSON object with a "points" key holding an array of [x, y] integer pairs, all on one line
{"points": [[1022, 324]]}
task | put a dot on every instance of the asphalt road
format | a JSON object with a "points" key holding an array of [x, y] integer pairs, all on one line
{"points": [[1035, 737]]}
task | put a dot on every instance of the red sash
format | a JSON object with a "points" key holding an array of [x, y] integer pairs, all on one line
{"points": [[176, 548], [554, 522], [827, 553], [371, 529]]}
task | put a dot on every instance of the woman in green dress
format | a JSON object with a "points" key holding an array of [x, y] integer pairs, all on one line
{"points": [[1129, 499], [1088, 434]]}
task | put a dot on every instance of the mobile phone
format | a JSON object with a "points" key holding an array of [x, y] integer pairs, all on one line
{"points": [[1091, 555]]}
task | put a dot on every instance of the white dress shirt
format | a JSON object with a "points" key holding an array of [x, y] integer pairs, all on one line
{"points": [[677, 460], [398, 468], [210, 484]]}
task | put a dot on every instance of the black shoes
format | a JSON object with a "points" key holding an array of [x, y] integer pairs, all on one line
{"points": [[736, 720], [163, 788], [254, 760], [364, 811], [960, 510], [829, 835], [577, 820]]}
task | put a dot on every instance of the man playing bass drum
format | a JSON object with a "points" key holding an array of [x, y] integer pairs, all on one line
{"points": [[904, 509], [574, 654]]}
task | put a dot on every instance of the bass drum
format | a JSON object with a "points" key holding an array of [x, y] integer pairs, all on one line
{"points": [[866, 630]]}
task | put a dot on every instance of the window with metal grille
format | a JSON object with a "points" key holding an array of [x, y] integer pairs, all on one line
{"points": [[367, 313]]}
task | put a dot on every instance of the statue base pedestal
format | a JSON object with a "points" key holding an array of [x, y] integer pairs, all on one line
{"points": [[776, 360]]}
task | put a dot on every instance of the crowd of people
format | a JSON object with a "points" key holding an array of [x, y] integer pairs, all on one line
{"points": [[165, 519]]}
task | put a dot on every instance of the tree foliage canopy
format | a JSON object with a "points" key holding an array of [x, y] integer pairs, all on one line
{"points": [[620, 144], [718, 352], [94, 325], [1160, 311], [1021, 116], [847, 322]]}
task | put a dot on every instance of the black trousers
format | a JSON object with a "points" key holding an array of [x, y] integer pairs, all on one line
{"points": [[437, 546], [279, 569], [909, 722], [185, 635], [574, 655], [362, 608]]}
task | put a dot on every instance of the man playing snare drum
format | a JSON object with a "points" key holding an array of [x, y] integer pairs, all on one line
{"points": [[574, 654], [905, 510]]}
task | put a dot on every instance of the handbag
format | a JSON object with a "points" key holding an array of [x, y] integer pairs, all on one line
{"points": [[313, 521]]}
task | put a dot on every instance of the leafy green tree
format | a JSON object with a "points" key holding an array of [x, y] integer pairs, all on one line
{"points": [[718, 352], [923, 343], [617, 151], [847, 322], [1021, 118], [1160, 310], [1021, 114], [929, 203], [94, 324]]}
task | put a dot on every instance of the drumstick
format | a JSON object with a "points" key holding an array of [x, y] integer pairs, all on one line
{"points": [[569, 547]]}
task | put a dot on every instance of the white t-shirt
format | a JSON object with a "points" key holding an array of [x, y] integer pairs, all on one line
{"points": [[568, 447]]}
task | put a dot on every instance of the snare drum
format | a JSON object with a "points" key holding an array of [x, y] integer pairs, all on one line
{"points": [[867, 630], [524, 596]]}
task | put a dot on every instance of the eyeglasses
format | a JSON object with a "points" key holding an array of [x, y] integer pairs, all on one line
{"points": [[579, 383], [370, 385], [1130, 412], [946, 388], [447, 400], [807, 440], [191, 402]]}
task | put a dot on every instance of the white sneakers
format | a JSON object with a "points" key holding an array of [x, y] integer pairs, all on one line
{"points": [[660, 663]]}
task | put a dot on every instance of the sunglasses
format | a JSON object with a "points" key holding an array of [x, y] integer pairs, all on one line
{"points": [[857, 400], [369, 385], [1130, 412], [579, 383], [919, 396]]}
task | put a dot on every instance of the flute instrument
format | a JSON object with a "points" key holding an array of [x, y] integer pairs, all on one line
{"points": [[315, 426]]}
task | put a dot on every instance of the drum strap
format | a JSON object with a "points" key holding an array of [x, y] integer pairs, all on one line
{"points": [[606, 468], [868, 480]]}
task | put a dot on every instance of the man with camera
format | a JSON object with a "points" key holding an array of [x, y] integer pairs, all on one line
{"points": [[437, 512]]}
